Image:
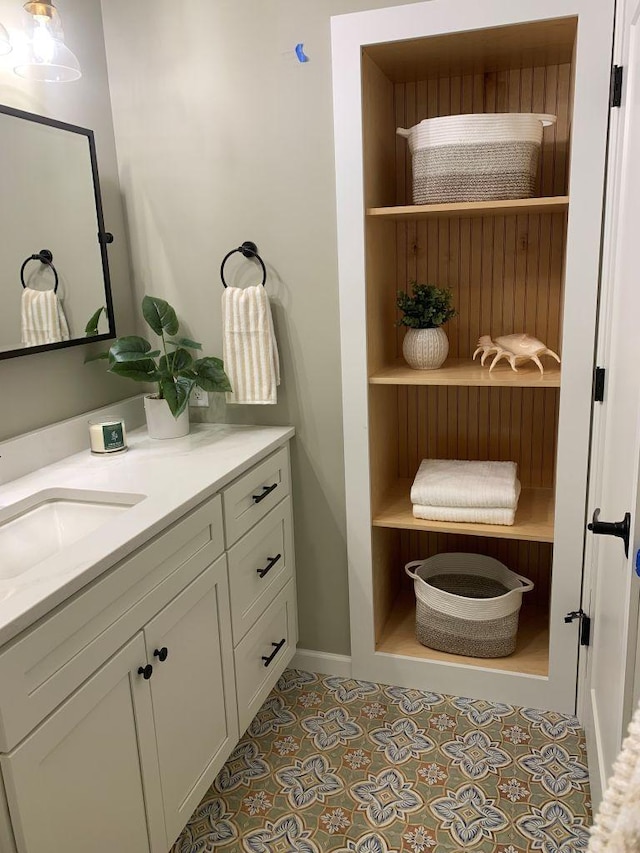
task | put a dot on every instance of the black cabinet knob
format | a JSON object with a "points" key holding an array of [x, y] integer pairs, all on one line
{"points": [[162, 654], [146, 671]]}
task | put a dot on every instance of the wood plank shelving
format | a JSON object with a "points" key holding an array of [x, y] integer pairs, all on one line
{"points": [[464, 372], [520, 206], [531, 656], [534, 518], [512, 266]]}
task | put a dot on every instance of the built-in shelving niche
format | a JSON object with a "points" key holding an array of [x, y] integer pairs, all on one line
{"points": [[505, 265]]}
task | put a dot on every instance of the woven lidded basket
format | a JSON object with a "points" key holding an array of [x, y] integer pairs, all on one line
{"points": [[476, 157], [467, 604]]}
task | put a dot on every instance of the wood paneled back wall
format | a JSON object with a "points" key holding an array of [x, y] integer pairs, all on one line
{"points": [[506, 272], [503, 424]]}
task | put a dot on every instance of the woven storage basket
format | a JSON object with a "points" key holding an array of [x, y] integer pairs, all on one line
{"points": [[476, 157], [467, 604]]}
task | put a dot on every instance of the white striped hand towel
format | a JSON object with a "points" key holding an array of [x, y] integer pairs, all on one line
{"points": [[473, 515], [43, 320], [250, 350], [455, 483]]}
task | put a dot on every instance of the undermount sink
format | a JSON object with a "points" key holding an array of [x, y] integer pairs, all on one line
{"points": [[44, 523]]}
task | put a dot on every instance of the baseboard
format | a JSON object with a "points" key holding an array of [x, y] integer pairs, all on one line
{"points": [[322, 662]]}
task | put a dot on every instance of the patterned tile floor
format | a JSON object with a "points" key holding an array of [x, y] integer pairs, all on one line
{"points": [[333, 765]]}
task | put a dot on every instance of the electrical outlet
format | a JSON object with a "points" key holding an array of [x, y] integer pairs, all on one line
{"points": [[199, 398]]}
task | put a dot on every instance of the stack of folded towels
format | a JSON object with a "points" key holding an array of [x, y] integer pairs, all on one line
{"points": [[454, 490]]}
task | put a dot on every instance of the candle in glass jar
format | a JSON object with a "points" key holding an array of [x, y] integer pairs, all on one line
{"points": [[107, 435]]}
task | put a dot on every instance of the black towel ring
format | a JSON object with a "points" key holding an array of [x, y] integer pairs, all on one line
{"points": [[249, 250], [45, 257]]}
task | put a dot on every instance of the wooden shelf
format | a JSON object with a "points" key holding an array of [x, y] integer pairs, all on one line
{"points": [[534, 519], [531, 656], [463, 371], [523, 206]]}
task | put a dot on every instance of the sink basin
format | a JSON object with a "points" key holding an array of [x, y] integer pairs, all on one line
{"points": [[44, 523]]}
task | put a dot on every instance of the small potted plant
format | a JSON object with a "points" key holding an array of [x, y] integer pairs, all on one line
{"points": [[172, 368], [425, 345]]}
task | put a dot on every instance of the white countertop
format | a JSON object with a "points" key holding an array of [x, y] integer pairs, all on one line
{"points": [[175, 476]]}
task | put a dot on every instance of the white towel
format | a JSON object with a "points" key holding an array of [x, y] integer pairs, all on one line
{"points": [[454, 483], [617, 825], [250, 349], [474, 515], [43, 320]]}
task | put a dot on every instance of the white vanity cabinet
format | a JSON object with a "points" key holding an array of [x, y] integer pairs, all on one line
{"points": [[192, 691], [119, 708], [80, 781]]}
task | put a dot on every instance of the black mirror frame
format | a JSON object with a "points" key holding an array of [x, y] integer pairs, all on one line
{"points": [[103, 237]]}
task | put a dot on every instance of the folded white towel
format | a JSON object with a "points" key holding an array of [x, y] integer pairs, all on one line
{"points": [[250, 349], [43, 320], [455, 483], [473, 515]]}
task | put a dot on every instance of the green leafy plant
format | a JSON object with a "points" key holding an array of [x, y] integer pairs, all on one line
{"points": [[91, 329], [427, 308], [173, 368]]}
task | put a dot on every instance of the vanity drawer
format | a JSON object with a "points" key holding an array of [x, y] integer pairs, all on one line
{"points": [[260, 564], [254, 494], [48, 662], [274, 637]]}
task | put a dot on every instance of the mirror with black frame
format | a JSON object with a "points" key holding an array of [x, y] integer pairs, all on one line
{"points": [[54, 271]]}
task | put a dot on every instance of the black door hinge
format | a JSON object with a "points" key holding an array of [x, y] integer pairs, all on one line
{"points": [[617, 74], [585, 625], [598, 384]]}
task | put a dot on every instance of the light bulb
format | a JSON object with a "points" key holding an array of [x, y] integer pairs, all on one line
{"points": [[44, 47]]}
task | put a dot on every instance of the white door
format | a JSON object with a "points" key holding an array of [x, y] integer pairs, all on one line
{"points": [[193, 692], [86, 778], [612, 587]]}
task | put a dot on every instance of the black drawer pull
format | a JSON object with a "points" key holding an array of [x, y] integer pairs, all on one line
{"points": [[162, 654], [266, 491], [146, 671], [272, 561], [276, 649]]}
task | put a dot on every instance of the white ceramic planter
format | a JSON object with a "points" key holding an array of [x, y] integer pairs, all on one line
{"points": [[425, 349], [161, 423]]}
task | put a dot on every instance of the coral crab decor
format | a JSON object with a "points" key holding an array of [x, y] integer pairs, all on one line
{"points": [[335, 765]]}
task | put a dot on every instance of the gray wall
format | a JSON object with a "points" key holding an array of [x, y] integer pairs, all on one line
{"points": [[223, 136], [36, 390]]}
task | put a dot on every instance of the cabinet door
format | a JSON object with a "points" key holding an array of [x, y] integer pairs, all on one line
{"points": [[82, 780], [193, 692]]}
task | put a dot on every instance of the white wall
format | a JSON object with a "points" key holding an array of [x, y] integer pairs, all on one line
{"points": [[40, 389], [222, 137]]}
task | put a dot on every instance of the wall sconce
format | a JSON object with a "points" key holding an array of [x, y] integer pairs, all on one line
{"points": [[47, 58], [5, 42]]}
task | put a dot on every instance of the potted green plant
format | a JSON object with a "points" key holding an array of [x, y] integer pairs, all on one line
{"points": [[172, 368], [425, 310]]}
